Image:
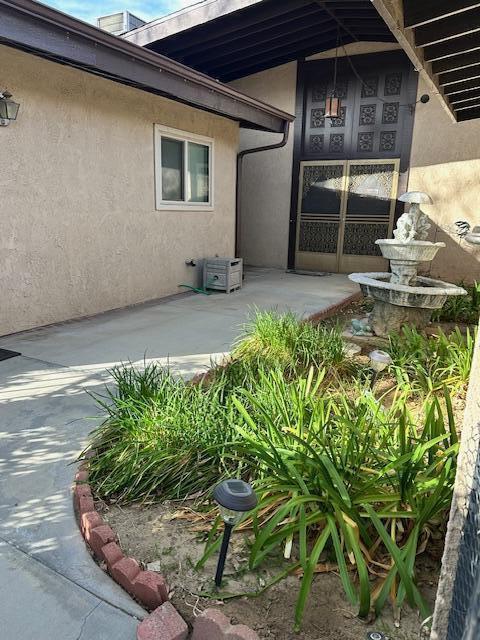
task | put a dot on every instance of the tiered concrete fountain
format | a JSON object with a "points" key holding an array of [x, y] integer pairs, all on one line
{"points": [[402, 296]]}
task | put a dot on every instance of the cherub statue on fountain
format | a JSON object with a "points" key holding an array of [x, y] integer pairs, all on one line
{"points": [[413, 224]]}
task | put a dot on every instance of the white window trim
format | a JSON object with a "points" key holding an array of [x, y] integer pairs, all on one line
{"points": [[184, 136]]}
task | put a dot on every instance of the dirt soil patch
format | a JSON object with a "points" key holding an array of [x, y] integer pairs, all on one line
{"points": [[164, 534]]}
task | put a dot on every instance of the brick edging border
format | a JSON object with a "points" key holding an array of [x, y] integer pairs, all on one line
{"points": [[334, 308], [149, 588]]}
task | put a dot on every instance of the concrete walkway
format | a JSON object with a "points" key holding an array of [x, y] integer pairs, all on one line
{"points": [[50, 588]]}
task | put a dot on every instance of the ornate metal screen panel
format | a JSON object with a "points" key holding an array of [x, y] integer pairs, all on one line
{"points": [[370, 206], [320, 207], [343, 208], [319, 237], [359, 239]]}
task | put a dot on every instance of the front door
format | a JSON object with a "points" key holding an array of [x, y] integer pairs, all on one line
{"points": [[343, 207], [347, 170]]}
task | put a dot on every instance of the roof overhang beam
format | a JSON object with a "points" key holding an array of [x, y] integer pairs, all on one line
{"points": [[421, 12], [50, 34], [392, 13]]}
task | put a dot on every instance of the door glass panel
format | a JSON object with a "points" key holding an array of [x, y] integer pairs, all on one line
{"points": [[198, 172], [322, 189], [370, 190], [172, 170]]}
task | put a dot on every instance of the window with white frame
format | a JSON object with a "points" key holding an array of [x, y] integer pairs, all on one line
{"points": [[183, 169]]}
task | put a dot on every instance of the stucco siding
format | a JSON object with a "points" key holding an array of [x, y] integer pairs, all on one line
{"points": [[265, 210], [445, 162], [80, 232]]}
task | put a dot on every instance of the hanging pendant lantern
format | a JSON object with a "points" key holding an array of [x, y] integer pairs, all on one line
{"points": [[332, 104]]}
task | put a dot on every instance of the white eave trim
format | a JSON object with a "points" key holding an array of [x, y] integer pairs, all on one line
{"points": [[186, 18]]}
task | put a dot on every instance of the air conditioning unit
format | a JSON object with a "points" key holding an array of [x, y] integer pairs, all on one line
{"points": [[118, 23]]}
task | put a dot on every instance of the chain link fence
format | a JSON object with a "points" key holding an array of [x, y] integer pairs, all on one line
{"points": [[457, 607], [464, 618]]}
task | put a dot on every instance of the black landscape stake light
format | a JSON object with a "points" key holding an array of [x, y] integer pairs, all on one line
{"points": [[234, 497]]}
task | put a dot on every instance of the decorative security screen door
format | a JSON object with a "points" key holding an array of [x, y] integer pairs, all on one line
{"points": [[343, 207]]}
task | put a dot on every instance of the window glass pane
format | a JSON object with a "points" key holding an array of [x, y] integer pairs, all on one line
{"points": [[198, 172], [172, 170]]}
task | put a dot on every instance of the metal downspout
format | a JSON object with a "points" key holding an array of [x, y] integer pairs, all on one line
{"points": [[240, 157]]}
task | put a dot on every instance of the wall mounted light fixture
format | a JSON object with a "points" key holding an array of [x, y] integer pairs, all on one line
{"points": [[8, 108]]}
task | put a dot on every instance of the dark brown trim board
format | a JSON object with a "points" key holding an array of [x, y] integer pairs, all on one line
{"points": [[45, 32], [299, 134]]}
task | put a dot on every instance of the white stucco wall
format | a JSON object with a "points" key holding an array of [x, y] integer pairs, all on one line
{"points": [[80, 232], [265, 210], [445, 162]]}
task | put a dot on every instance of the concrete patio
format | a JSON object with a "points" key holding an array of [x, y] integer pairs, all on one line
{"points": [[50, 588]]}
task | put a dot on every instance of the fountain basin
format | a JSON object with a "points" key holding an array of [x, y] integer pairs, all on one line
{"points": [[397, 305], [413, 251], [474, 236], [428, 294]]}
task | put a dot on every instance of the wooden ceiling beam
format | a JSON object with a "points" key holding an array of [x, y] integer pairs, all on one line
{"points": [[264, 27], [256, 21], [456, 62], [462, 75], [450, 48], [331, 12], [260, 64], [391, 13], [254, 45], [421, 12], [465, 96], [468, 114], [468, 106], [272, 53], [448, 28], [469, 85]]}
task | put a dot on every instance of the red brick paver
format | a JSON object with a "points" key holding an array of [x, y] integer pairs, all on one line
{"points": [[213, 625], [163, 624]]}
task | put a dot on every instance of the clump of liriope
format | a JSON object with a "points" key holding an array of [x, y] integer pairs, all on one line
{"points": [[161, 438], [285, 342], [428, 363], [461, 308], [366, 482]]}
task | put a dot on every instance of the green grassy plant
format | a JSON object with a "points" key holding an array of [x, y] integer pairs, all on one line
{"points": [[281, 340], [348, 476], [461, 308], [427, 364], [161, 436]]}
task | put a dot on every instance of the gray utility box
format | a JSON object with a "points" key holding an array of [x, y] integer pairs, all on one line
{"points": [[223, 274]]}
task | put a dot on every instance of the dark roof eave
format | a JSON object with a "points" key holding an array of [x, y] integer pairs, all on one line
{"points": [[48, 33]]}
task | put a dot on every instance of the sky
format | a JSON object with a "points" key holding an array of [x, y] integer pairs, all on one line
{"points": [[89, 10]]}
